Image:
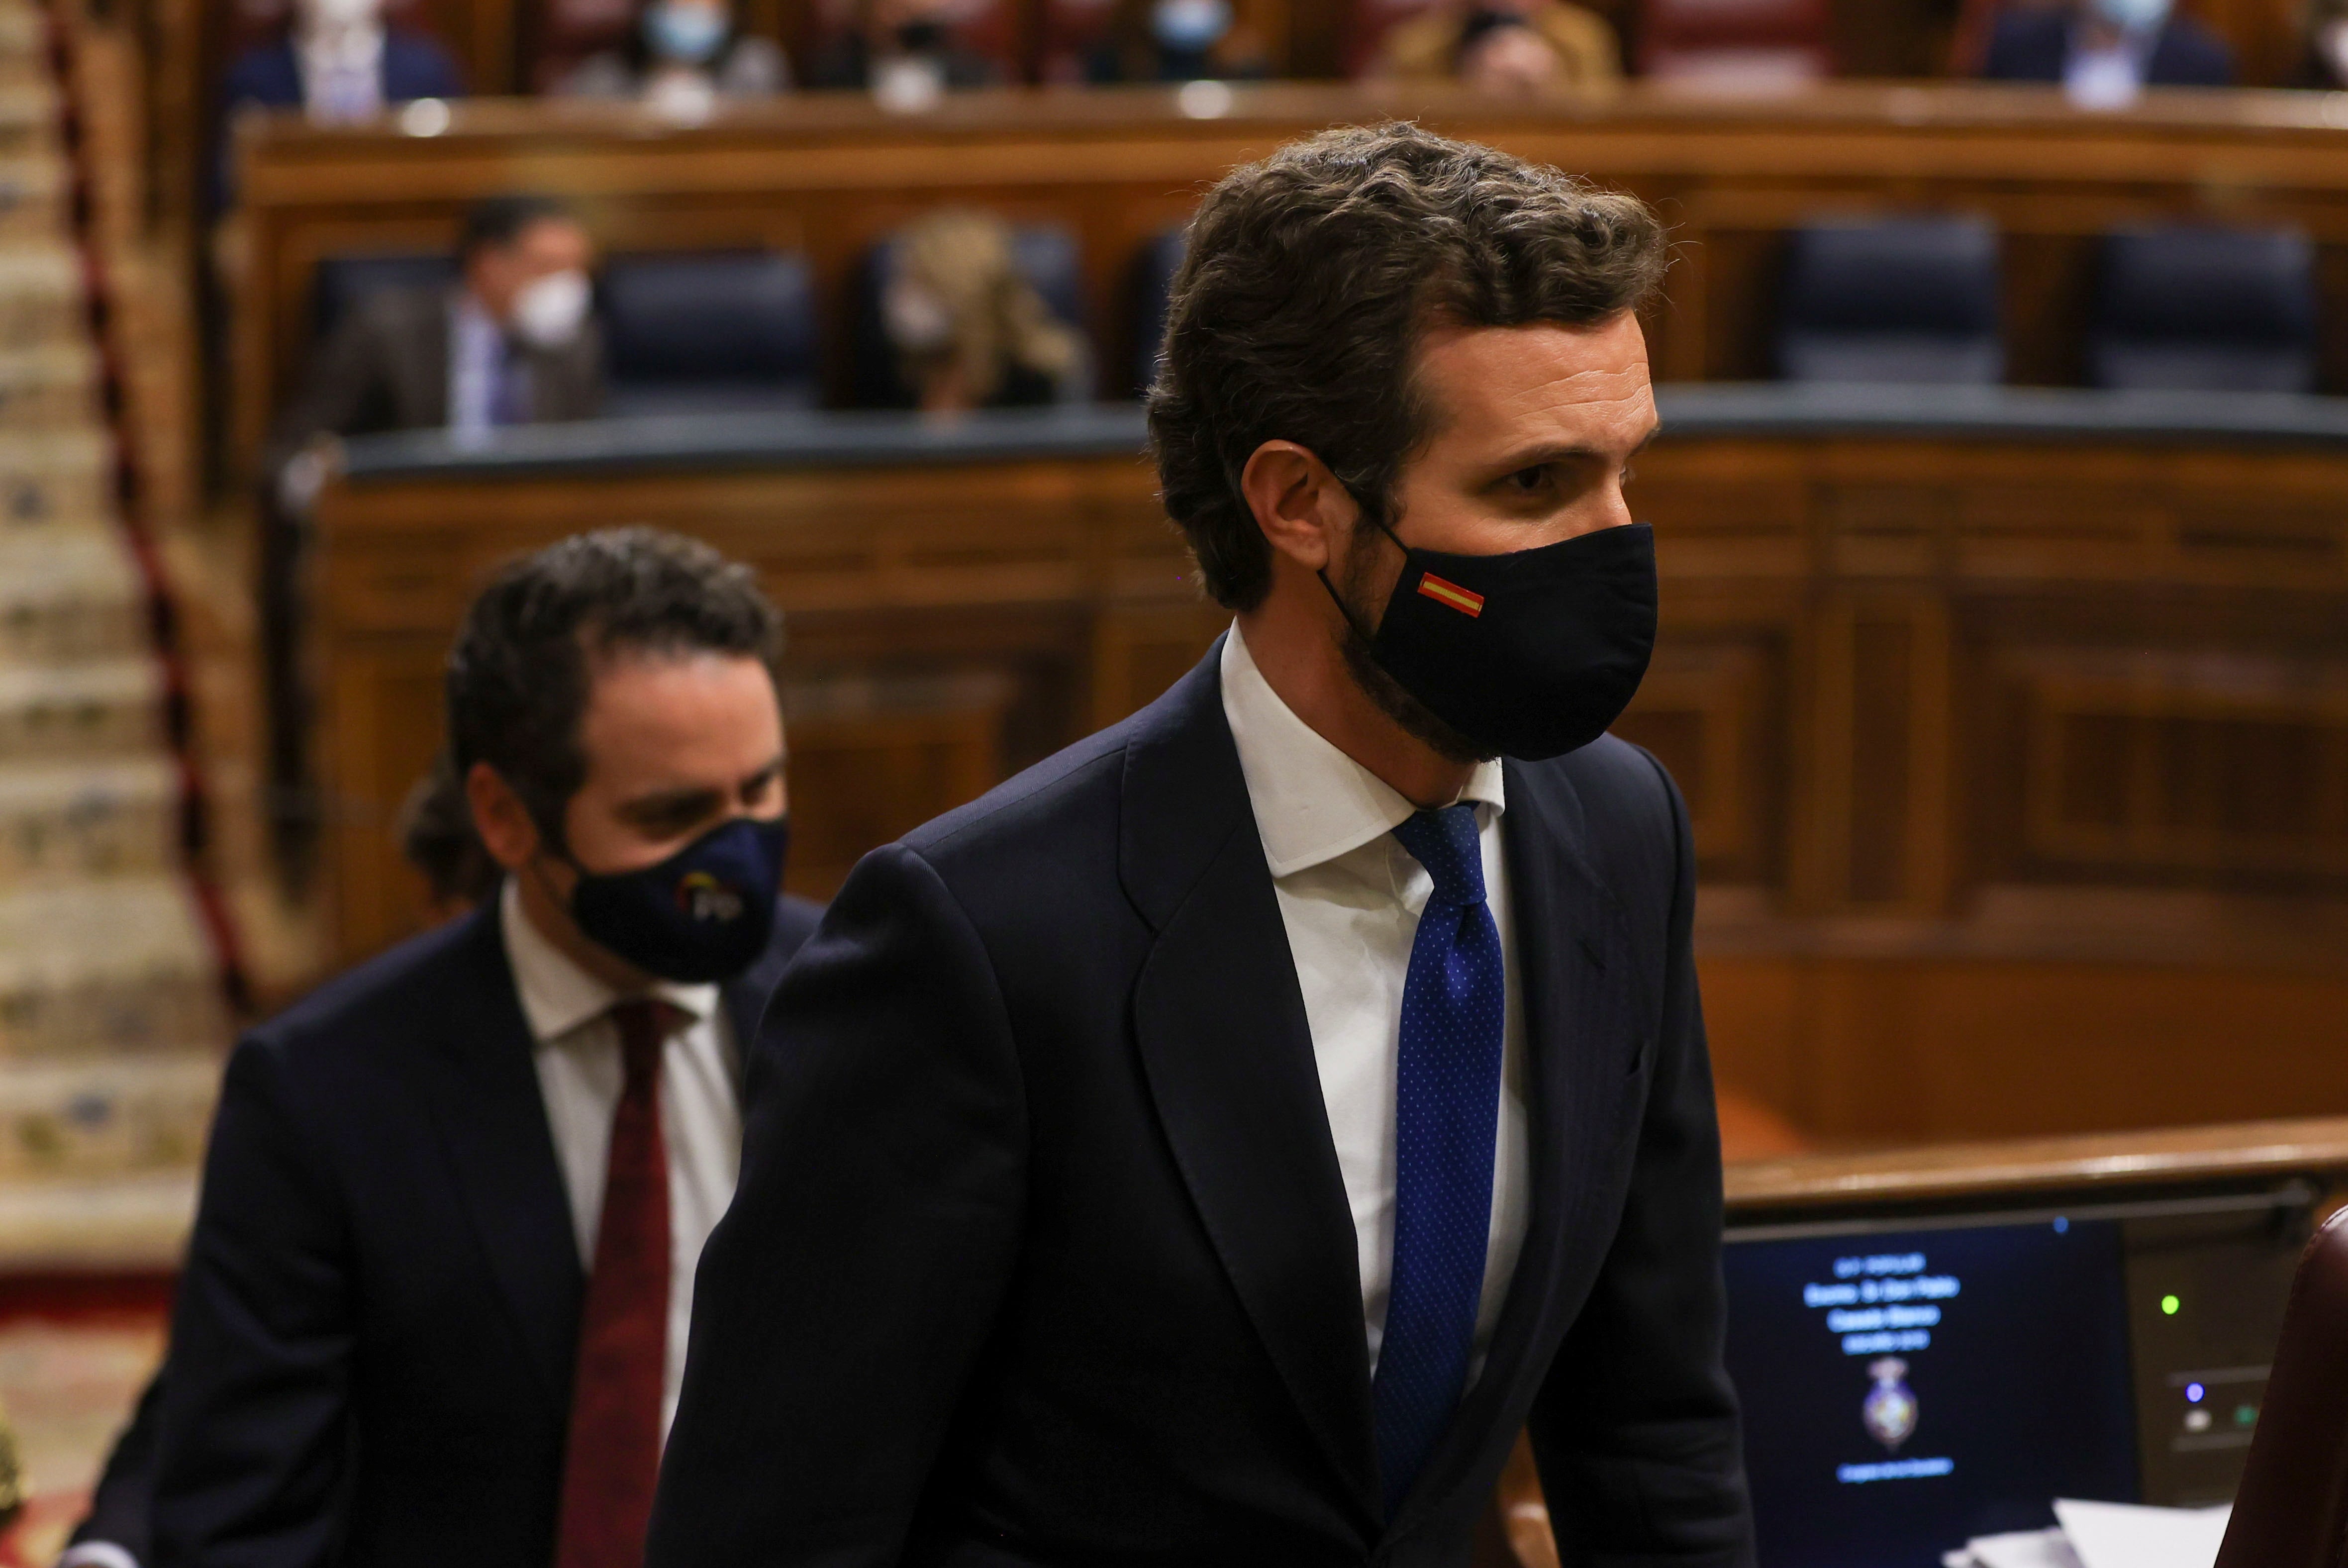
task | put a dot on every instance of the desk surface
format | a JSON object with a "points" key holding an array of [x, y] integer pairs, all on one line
{"points": [[1295, 108], [2158, 1157], [829, 439]]}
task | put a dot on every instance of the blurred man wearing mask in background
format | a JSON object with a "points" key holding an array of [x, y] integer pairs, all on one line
{"points": [[435, 1304], [512, 344], [1504, 46], [338, 63], [906, 53], [2106, 52], [684, 56]]}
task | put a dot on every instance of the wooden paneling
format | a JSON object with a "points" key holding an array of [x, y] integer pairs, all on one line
{"points": [[829, 173], [2019, 774], [1862, 1047]]}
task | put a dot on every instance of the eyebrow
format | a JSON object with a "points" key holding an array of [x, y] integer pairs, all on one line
{"points": [[1540, 457], [696, 801]]}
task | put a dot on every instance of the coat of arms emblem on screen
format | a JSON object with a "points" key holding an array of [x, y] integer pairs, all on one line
{"points": [[1890, 1411]]}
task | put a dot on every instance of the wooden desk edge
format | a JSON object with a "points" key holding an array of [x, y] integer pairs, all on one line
{"points": [[2093, 1160]]}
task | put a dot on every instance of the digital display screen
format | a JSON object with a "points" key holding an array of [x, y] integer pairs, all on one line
{"points": [[1904, 1392]]}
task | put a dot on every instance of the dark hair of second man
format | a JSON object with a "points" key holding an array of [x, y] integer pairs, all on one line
{"points": [[499, 221], [1308, 281], [520, 675]]}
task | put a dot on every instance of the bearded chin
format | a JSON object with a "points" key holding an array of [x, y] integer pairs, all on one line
{"points": [[1417, 720]]}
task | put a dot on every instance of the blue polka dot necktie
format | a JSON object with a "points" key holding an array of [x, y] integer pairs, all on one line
{"points": [[1447, 1111]]}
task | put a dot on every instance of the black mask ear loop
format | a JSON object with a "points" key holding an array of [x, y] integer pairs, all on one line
{"points": [[551, 846], [1375, 520]]}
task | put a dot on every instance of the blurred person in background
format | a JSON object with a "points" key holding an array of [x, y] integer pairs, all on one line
{"points": [[436, 835], [970, 332], [2106, 52], [513, 343], [906, 53], [1503, 46], [2326, 65], [684, 57], [339, 63], [1177, 41], [435, 1303]]}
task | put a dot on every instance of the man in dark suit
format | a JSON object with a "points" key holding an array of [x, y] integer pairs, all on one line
{"points": [[435, 1304], [1215, 1145], [512, 343], [2105, 50]]}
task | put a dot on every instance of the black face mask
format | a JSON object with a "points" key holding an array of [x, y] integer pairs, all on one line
{"points": [[1528, 655], [703, 913]]}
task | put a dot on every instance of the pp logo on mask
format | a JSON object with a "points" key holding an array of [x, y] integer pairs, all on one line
{"points": [[703, 897], [1470, 605]]}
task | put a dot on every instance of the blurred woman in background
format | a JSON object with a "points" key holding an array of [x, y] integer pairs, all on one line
{"points": [[969, 330]]}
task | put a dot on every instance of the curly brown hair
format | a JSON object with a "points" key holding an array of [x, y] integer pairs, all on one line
{"points": [[1309, 278]]}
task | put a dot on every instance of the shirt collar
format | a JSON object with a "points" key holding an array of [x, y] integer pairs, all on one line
{"points": [[1312, 801], [557, 995]]}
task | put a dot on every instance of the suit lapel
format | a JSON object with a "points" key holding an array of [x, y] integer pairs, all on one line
{"points": [[492, 1120], [426, 359], [1582, 1040], [1223, 1039]]}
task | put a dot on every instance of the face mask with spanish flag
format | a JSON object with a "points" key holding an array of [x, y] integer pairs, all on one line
{"points": [[1530, 653]]}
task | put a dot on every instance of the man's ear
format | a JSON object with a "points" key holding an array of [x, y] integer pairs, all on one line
{"points": [[1298, 502], [504, 823]]}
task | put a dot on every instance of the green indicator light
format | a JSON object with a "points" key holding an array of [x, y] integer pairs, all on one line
{"points": [[2169, 1305], [2246, 1415]]}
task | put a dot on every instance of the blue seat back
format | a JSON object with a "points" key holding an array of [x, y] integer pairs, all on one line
{"points": [[1153, 290], [341, 283], [1047, 255], [705, 330], [1891, 300], [2205, 309]]}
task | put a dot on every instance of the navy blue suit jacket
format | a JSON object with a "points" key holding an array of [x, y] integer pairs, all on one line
{"points": [[371, 1347], [1041, 1254], [413, 66], [2035, 46]]}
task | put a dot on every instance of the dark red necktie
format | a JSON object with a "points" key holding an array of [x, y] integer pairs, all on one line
{"points": [[613, 1454]]}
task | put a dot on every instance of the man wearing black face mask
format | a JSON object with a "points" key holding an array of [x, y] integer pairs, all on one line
{"points": [[435, 1305], [1215, 1145]]}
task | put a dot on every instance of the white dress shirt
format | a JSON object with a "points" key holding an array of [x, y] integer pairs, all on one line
{"points": [[580, 1075], [1350, 896], [342, 73], [2112, 75]]}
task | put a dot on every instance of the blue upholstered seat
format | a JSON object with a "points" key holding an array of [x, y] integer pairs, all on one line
{"points": [[697, 331], [1891, 300], [2205, 309], [1153, 286]]}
